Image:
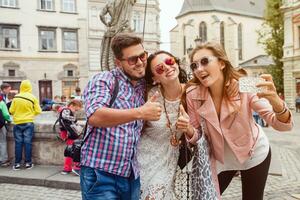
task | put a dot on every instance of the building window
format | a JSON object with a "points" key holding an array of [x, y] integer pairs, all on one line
{"points": [[240, 42], [136, 20], [70, 73], [222, 35], [9, 37], [8, 3], [46, 5], [203, 32], [47, 39], [11, 72], [69, 39], [69, 6]]}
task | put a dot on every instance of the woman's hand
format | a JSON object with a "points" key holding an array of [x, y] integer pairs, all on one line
{"points": [[269, 92], [183, 123]]}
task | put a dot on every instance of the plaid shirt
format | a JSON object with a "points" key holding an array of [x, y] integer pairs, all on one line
{"points": [[113, 149]]}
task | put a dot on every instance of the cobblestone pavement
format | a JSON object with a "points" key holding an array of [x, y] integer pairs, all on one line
{"points": [[278, 187], [25, 192]]}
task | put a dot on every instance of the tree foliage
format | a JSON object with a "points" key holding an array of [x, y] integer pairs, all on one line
{"points": [[272, 38]]}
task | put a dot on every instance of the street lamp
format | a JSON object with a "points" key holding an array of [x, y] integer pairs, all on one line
{"points": [[198, 41]]}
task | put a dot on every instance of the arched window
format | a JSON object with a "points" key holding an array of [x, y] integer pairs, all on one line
{"points": [[240, 42], [222, 34], [203, 32]]}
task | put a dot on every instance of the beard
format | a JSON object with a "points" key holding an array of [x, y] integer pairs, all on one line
{"points": [[132, 77]]}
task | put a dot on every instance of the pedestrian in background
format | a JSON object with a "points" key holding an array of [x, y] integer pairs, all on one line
{"points": [[5, 89], [3, 133], [24, 107], [77, 95], [70, 130]]}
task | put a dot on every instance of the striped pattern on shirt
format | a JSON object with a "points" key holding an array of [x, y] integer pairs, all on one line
{"points": [[113, 149]]}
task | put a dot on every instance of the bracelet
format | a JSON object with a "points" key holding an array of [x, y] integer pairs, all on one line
{"points": [[283, 110]]}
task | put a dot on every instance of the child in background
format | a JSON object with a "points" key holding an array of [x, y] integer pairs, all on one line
{"points": [[69, 132]]}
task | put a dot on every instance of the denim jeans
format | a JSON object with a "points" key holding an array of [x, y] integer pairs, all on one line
{"points": [[23, 134], [100, 185], [3, 145]]}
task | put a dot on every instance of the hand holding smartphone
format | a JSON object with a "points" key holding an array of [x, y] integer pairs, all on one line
{"points": [[248, 84]]}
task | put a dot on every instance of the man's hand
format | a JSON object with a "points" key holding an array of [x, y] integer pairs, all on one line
{"points": [[151, 110]]}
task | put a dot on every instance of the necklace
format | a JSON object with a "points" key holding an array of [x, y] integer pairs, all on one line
{"points": [[173, 140]]}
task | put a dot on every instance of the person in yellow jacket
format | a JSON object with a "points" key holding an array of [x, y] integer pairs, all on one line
{"points": [[24, 108]]}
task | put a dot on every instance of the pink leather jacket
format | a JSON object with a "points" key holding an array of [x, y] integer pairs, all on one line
{"points": [[238, 128]]}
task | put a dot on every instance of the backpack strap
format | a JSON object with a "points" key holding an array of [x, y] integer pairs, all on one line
{"points": [[112, 100], [20, 97]]}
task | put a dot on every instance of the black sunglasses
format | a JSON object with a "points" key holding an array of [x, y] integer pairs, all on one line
{"points": [[133, 59]]}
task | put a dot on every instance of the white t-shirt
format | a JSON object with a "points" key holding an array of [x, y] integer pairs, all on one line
{"points": [[261, 151]]}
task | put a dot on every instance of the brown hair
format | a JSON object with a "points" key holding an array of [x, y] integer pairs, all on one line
{"points": [[122, 41], [229, 72], [75, 102]]}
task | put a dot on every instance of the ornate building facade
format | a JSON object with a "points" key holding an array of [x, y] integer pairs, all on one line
{"points": [[291, 50], [43, 41], [56, 43], [231, 23]]}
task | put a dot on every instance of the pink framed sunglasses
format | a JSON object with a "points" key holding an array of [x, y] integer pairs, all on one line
{"points": [[159, 69]]}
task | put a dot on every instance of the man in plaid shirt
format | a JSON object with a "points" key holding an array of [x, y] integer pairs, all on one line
{"points": [[108, 157]]}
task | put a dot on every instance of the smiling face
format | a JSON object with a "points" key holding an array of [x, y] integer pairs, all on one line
{"points": [[208, 67], [134, 71], [164, 68]]}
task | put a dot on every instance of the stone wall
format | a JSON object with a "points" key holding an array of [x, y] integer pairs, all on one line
{"points": [[47, 149]]}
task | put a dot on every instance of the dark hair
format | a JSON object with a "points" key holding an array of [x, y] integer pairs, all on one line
{"points": [[182, 74], [5, 85], [78, 89], [122, 41]]}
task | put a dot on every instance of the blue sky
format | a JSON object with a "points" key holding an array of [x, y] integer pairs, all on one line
{"points": [[169, 10]]}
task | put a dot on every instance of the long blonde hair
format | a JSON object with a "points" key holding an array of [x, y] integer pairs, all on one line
{"points": [[229, 72]]}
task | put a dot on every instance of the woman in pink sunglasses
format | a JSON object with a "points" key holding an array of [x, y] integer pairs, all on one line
{"points": [[158, 151]]}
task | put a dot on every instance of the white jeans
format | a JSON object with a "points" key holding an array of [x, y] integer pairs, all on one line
{"points": [[3, 145]]}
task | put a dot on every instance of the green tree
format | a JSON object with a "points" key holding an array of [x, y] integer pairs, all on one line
{"points": [[271, 37]]}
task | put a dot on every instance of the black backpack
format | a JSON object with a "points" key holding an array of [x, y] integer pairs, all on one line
{"points": [[76, 147]]}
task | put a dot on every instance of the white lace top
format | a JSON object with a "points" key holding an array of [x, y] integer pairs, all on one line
{"points": [[156, 156]]}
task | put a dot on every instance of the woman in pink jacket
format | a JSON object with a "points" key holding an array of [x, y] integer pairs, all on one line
{"points": [[237, 142]]}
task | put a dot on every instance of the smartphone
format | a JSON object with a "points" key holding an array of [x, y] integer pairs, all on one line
{"points": [[248, 84]]}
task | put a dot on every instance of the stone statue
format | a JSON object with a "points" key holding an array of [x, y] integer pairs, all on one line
{"points": [[116, 16]]}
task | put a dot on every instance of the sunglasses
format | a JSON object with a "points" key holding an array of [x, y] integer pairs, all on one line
{"points": [[134, 59], [159, 69], [204, 61]]}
